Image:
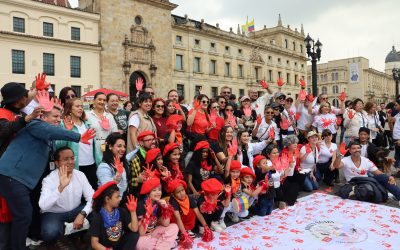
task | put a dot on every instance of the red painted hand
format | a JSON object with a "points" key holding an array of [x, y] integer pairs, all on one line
{"points": [[177, 106], [302, 83], [139, 84], [350, 114], [310, 98], [259, 119], [271, 133], [302, 95], [131, 204], [68, 124], [104, 123], [41, 82], [264, 84], [44, 100], [232, 150], [247, 111], [284, 124], [342, 148], [280, 82], [88, 135], [297, 116], [196, 104], [118, 165], [342, 96]]}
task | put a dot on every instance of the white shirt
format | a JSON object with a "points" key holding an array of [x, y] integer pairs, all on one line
{"points": [[101, 134], [276, 177], [30, 107], [315, 109], [305, 118], [372, 122], [85, 151], [326, 153], [350, 170], [134, 121], [396, 127], [264, 128], [364, 148], [325, 121], [308, 164], [51, 200]]}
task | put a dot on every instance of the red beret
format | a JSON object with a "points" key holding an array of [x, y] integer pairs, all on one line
{"points": [[102, 188], [175, 184], [257, 159], [173, 120], [211, 186], [169, 147], [247, 171], [149, 185], [152, 154], [235, 165], [202, 145], [143, 134]]}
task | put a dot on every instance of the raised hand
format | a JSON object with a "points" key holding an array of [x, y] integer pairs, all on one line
{"points": [[202, 91], [259, 119], [297, 116], [149, 207], [68, 123], [264, 84], [88, 135], [196, 104], [231, 119], [41, 82], [276, 162], [342, 148], [131, 204], [271, 133], [285, 160], [58, 104], [232, 150], [302, 83], [177, 106], [44, 100], [342, 96], [350, 114], [104, 123], [302, 95], [247, 111], [284, 124], [339, 121], [310, 98], [139, 84], [280, 82], [118, 165], [65, 178]]}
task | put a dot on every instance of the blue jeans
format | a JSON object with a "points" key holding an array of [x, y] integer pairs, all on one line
{"points": [[18, 200], [383, 180], [309, 184], [264, 206], [53, 223]]}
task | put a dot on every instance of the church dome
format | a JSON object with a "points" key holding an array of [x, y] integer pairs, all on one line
{"points": [[393, 56]]}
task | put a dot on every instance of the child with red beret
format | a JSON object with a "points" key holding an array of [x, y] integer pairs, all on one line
{"points": [[171, 156], [154, 217], [174, 126], [212, 202], [186, 212], [155, 161], [247, 178], [111, 226], [202, 166]]}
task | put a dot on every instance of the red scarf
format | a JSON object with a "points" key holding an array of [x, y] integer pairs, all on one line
{"points": [[178, 137], [204, 165], [235, 185]]}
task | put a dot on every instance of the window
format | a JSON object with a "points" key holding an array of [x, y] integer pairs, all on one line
{"points": [[295, 64], [227, 49], [324, 90], [48, 64], [288, 78], [241, 92], [196, 64], [302, 66], [47, 29], [294, 46], [212, 45], [270, 59], [287, 63], [279, 61], [197, 90], [270, 75], [178, 39], [337, 76], [179, 62], [213, 67], [75, 65], [18, 24], [18, 61], [335, 89], [301, 48], [240, 51], [75, 34], [286, 43], [335, 103], [279, 74], [180, 88], [197, 42], [332, 76], [257, 73], [296, 79], [77, 90], [227, 69], [240, 71], [214, 91]]}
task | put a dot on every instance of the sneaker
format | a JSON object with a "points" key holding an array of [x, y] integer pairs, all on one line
{"points": [[201, 230], [216, 227], [191, 234], [222, 223], [245, 218], [233, 217]]}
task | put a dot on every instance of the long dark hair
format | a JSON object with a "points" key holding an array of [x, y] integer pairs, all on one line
{"points": [[98, 203], [142, 98], [221, 138], [63, 94], [197, 158], [108, 156]]}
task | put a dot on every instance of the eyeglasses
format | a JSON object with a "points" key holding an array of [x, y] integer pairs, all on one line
{"points": [[226, 92], [325, 98], [70, 96], [215, 107], [66, 159], [150, 92], [159, 106], [205, 102], [276, 109]]}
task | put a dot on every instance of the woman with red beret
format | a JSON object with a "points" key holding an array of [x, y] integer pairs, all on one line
{"points": [[111, 226], [186, 212], [154, 215]]}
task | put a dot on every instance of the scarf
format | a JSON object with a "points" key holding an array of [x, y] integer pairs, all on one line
{"points": [[178, 137], [235, 185], [184, 205], [109, 219], [204, 165], [176, 172]]}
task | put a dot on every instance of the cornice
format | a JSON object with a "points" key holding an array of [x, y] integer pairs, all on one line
{"points": [[165, 4]]}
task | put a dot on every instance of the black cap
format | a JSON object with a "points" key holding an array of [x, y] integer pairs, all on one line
{"points": [[12, 92]]}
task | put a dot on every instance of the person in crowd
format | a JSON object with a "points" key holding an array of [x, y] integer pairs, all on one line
{"points": [[354, 119], [222, 102], [368, 149], [303, 117], [266, 129], [147, 140], [280, 99], [390, 108], [225, 92], [174, 97], [114, 166], [140, 121], [170, 108], [87, 157], [324, 98], [220, 148], [128, 106], [373, 122], [185, 213], [216, 120], [60, 199], [120, 115], [171, 157], [325, 119], [247, 149], [265, 202], [356, 165], [154, 216], [347, 105], [174, 132], [111, 226], [39, 84], [277, 118], [159, 117], [198, 121], [246, 115], [212, 201], [67, 93], [249, 191], [325, 170], [102, 121], [18, 177], [12, 120], [259, 102], [229, 118], [309, 157]]}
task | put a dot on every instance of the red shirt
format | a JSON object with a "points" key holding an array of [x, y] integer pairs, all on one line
{"points": [[200, 123], [160, 125], [214, 133]]}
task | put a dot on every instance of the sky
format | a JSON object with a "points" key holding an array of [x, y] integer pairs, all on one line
{"points": [[346, 28]]}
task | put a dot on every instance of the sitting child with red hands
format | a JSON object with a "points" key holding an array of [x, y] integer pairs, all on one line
{"points": [[249, 192]]}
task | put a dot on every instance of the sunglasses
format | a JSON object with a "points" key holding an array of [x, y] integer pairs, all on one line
{"points": [[222, 102], [159, 106], [226, 92], [269, 113], [70, 96], [282, 98], [215, 107], [205, 102], [326, 98], [229, 110]]}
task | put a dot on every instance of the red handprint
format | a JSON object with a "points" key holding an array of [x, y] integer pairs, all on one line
{"points": [[232, 150], [196, 104], [118, 165], [271, 133], [186, 242], [88, 135], [284, 124], [68, 123], [302, 95], [131, 204], [310, 98], [280, 82], [231, 119], [177, 106], [139, 84], [350, 114], [41, 82], [326, 122], [259, 119], [213, 115], [308, 148], [297, 116], [207, 235], [342, 96], [247, 111], [302, 83], [44, 100], [342, 148], [264, 84], [104, 123]]}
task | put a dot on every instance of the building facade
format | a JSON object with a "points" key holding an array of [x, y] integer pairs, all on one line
{"points": [[356, 78], [48, 36]]}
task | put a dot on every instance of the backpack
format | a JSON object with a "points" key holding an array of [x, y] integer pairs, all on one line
{"points": [[363, 189]]}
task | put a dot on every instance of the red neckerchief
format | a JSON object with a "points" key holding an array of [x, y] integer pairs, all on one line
{"points": [[204, 165]]}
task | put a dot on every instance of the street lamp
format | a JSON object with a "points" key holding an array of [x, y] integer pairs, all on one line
{"points": [[396, 77], [313, 52]]}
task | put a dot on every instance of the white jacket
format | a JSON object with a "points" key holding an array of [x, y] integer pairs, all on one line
{"points": [[252, 149]]}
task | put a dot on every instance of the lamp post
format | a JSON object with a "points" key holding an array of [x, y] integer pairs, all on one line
{"points": [[313, 52], [396, 77]]}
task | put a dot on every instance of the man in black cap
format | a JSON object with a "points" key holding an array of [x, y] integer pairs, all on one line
{"points": [[15, 97]]}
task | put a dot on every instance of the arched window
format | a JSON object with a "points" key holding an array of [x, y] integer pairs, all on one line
{"points": [[324, 90], [335, 103], [335, 89]]}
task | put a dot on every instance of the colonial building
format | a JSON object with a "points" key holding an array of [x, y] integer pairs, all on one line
{"points": [[356, 78], [140, 38], [48, 36]]}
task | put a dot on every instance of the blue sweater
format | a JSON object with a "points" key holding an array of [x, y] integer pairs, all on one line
{"points": [[27, 155]]}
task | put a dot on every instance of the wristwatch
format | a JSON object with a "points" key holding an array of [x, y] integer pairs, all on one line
{"points": [[83, 213]]}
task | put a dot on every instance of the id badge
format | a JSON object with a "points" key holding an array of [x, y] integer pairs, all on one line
{"points": [[103, 147], [52, 166]]}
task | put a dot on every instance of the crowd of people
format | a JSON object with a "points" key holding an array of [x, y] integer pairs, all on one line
{"points": [[156, 173]]}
